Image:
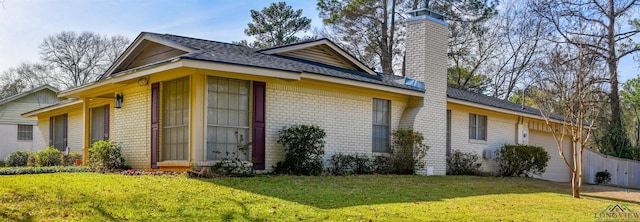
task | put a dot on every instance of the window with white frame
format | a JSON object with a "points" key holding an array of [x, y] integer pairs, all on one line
{"points": [[477, 127], [227, 117], [25, 132], [381, 125]]}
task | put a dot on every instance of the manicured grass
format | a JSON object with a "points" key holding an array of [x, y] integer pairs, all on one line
{"points": [[92, 196]]}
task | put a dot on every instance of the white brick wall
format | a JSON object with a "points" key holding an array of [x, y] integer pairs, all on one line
{"points": [[501, 129], [42, 138], [75, 131], [345, 117], [427, 62], [131, 126]]}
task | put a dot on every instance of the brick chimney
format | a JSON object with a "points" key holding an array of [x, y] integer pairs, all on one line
{"points": [[426, 61]]}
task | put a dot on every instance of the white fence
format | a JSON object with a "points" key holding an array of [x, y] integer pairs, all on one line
{"points": [[624, 172]]}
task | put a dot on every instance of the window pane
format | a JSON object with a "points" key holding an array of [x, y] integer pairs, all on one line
{"points": [[58, 131], [25, 132], [472, 126], [97, 124], [380, 127], [230, 114], [175, 122], [482, 127]]}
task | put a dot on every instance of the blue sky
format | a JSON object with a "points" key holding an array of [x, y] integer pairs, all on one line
{"points": [[25, 23]]}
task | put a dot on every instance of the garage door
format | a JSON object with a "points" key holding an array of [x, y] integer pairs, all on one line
{"points": [[557, 170]]}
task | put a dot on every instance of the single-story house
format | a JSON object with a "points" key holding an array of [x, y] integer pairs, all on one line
{"points": [[175, 102], [16, 132]]}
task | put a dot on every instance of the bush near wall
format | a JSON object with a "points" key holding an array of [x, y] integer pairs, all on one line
{"points": [[346, 164], [105, 156], [48, 157], [603, 177], [304, 147], [521, 160], [407, 151], [18, 158], [460, 163]]}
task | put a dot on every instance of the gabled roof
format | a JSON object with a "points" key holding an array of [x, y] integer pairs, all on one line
{"points": [[321, 51], [60, 104], [26, 93], [225, 53], [478, 98]]}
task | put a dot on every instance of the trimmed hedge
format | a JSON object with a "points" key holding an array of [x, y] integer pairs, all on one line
{"points": [[39, 170]]}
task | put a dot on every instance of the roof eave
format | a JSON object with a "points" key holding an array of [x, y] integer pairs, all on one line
{"points": [[35, 113], [500, 110]]}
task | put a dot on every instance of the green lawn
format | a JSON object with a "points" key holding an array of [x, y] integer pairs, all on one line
{"points": [[92, 196]]}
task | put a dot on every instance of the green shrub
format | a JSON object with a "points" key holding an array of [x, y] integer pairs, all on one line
{"points": [[521, 160], [70, 160], [104, 156], [340, 164], [407, 151], [18, 158], [38, 170], [3, 164], [603, 177], [48, 157], [344, 164], [381, 165], [304, 147], [460, 163]]}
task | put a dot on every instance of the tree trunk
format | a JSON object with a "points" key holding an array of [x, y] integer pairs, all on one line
{"points": [[385, 57], [576, 171], [612, 63], [574, 187]]}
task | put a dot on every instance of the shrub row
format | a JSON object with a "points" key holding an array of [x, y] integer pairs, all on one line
{"points": [[513, 160], [43, 158], [39, 170], [304, 150], [346, 164], [105, 157]]}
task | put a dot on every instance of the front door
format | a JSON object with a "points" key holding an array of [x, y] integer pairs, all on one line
{"points": [[99, 123]]}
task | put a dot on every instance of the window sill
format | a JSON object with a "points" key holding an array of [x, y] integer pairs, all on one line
{"points": [[25, 140], [477, 141], [209, 163], [374, 154], [174, 163]]}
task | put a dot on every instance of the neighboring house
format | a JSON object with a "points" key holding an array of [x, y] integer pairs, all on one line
{"points": [[175, 102], [16, 132]]}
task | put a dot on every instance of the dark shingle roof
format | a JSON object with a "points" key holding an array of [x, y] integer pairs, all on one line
{"points": [[212, 51], [473, 97]]}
